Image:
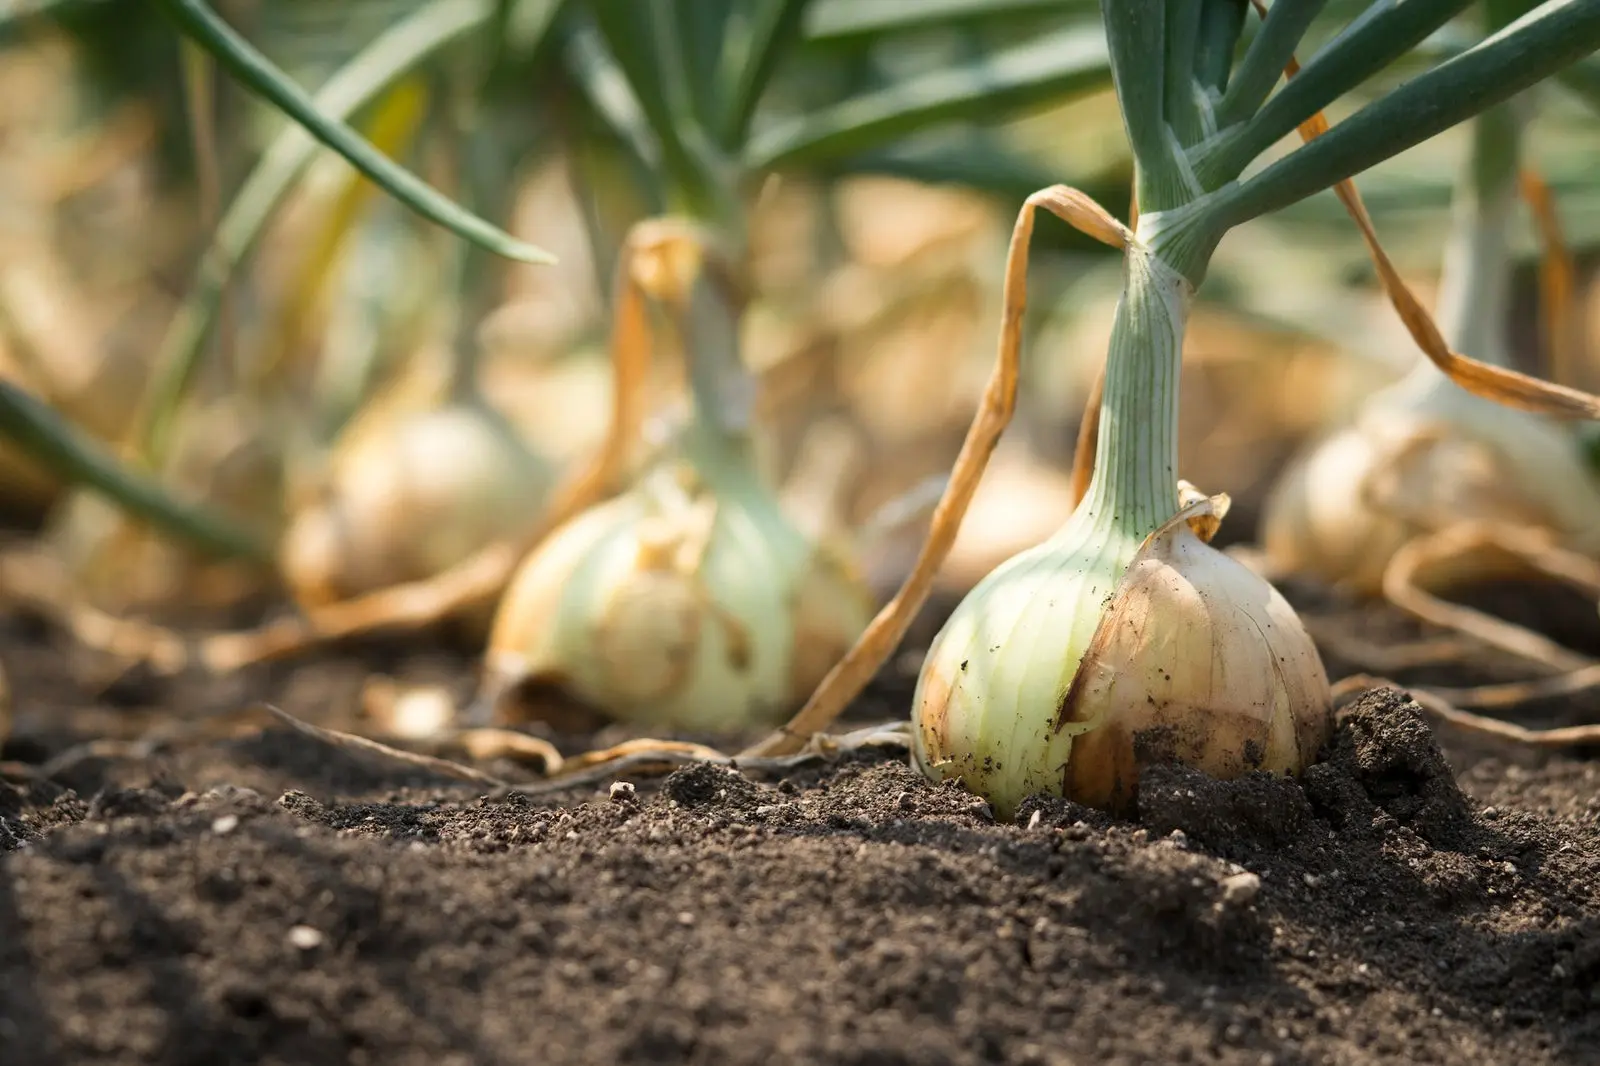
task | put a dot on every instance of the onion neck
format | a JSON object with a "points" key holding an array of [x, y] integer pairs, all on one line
{"points": [[1134, 486], [718, 438]]}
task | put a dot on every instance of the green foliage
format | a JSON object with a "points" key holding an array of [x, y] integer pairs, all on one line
{"points": [[395, 54], [705, 98], [56, 445], [1504, 64], [201, 24], [990, 88]]}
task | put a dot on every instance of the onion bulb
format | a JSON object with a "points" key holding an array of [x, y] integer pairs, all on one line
{"points": [[1342, 509], [1070, 667], [690, 601], [409, 497]]}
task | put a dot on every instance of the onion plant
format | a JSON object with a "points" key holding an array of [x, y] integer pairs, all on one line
{"points": [[1124, 638], [1423, 453], [693, 598], [459, 471]]}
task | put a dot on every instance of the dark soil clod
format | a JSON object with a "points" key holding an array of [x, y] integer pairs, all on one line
{"points": [[1384, 745], [703, 784], [1265, 808]]}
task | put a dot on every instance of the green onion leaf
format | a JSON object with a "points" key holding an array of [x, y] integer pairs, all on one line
{"points": [[1068, 63], [200, 23], [48, 439], [1529, 50], [372, 72], [835, 20]]}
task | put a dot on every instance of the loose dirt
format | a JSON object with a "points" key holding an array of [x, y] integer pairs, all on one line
{"points": [[244, 895]]}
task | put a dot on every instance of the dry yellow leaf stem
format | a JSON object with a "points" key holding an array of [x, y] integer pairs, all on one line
{"points": [[1509, 387], [851, 674], [1562, 326]]}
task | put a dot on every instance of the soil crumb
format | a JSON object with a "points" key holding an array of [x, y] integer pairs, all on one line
{"points": [[1373, 912]]}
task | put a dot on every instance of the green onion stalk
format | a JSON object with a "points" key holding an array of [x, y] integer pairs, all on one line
{"points": [[1125, 639]]}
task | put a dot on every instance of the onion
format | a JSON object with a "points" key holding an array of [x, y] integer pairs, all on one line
{"points": [[692, 600], [409, 497]]}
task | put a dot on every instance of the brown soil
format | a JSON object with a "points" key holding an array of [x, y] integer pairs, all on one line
{"points": [[252, 897]]}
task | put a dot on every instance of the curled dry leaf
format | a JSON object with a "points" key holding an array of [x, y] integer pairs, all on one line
{"points": [[1427, 564], [1560, 322], [1503, 385], [846, 680]]}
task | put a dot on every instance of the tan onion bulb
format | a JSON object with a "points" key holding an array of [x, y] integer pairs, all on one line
{"points": [[410, 497], [1064, 672], [1342, 509], [690, 601]]}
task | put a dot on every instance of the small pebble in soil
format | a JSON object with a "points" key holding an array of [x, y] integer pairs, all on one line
{"points": [[305, 937], [623, 792], [1240, 888]]}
